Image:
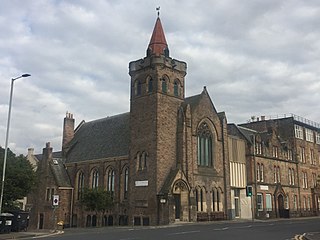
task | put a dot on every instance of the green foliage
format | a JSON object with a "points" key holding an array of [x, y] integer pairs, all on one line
{"points": [[20, 179], [98, 200]]}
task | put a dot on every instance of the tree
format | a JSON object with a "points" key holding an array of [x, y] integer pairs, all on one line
{"points": [[97, 200], [20, 179]]}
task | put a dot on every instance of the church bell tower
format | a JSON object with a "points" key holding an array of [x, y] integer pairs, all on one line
{"points": [[157, 92]]}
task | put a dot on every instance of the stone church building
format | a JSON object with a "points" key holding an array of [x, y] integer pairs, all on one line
{"points": [[164, 161]]}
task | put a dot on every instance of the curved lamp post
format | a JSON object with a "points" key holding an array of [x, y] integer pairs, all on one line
{"points": [[7, 137]]}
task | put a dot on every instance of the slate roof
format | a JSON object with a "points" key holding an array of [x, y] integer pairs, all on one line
{"points": [[193, 101], [247, 132], [102, 138], [60, 173], [169, 180], [56, 155]]}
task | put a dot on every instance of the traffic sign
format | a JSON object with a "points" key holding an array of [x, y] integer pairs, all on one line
{"points": [[55, 200]]}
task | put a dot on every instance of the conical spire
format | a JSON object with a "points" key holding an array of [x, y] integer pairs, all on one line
{"points": [[158, 44]]}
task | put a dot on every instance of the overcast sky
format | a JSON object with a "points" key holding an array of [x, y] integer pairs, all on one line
{"points": [[255, 57]]}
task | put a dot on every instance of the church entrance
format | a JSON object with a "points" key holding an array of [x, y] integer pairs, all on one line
{"points": [[181, 201], [177, 202]]}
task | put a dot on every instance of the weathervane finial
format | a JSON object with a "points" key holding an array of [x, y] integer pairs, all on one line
{"points": [[158, 9]]}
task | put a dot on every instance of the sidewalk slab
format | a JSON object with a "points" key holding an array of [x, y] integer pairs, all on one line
{"points": [[31, 234]]}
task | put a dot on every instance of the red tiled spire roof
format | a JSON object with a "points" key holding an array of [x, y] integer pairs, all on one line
{"points": [[158, 44]]}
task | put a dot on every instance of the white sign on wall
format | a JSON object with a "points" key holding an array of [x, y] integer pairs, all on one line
{"points": [[141, 183], [264, 187]]}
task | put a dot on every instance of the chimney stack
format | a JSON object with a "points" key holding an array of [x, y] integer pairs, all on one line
{"points": [[68, 131]]}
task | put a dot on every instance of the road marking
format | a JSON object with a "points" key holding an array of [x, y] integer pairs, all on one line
{"points": [[221, 229], [180, 233], [48, 235]]}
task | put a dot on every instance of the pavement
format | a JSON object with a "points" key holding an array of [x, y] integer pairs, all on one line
{"points": [[29, 235]]}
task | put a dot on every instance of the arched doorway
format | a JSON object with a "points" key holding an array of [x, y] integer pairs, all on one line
{"points": [[283, 213], [180, 193]]}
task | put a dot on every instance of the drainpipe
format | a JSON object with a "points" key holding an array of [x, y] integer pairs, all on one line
{"points": [[254, 196], [71, 207], [224, 171]]}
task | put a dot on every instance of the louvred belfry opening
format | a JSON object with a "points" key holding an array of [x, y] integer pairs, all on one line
{"points": [[158, 44]]}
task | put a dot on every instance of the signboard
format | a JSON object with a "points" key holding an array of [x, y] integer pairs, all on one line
{"points": [[264, 187], [55, 200], [141, 183]]}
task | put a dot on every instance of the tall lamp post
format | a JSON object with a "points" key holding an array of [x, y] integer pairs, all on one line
{"points": [[7, 137]]}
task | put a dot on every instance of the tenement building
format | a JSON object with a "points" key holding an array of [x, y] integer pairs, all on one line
{"points": [[166, 160], [283, 157]]}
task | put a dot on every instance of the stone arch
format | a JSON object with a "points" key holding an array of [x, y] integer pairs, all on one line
{"points": [[180, 192]]}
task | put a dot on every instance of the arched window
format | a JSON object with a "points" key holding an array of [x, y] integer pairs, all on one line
{"points": [[95, 179], [258, 172], [80, 185], [139, 161], [201, 200], [144, 160], [176, 88], [218, 200], [164, 85], [137, 88], [213, 201], [126, 182], [110, 184], [204, 146], [197, 199], [150, 85]]}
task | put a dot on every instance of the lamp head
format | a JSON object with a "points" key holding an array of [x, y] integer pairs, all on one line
{"points": [[26, 75]]}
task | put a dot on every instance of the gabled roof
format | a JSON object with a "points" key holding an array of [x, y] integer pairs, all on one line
{"points": [[194, 101], [248, 133], [60, 173], [158, 44], [102, 138]]}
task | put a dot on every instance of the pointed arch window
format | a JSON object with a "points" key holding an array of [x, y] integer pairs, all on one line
{"points": [[110, 184], [95, 179], [164, 85], [204, 146], [176, 88], [201, 200], [142, 160], [197, 199], [150, 85], [218, 200], [126, 182], [137, 88], [213, 201], [80, 185]]}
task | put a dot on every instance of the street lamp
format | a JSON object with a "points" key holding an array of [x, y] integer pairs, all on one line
{"points": [[7, 137]]}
